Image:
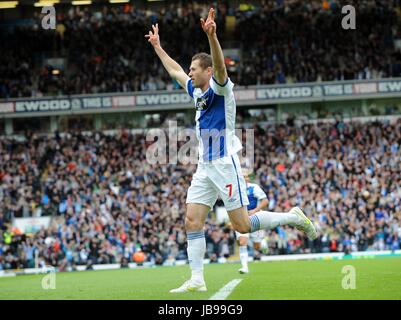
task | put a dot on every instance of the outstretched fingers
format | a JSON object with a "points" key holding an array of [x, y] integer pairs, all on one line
{"points": [[155, 29], [211, 14]]}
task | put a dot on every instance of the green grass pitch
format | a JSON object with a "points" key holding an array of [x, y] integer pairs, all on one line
{"points": [[378, 278]]}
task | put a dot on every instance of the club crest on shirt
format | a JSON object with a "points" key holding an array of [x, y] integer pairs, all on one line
{"points": [[201, 104]]}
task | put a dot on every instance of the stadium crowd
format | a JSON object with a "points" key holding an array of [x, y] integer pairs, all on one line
{"points": [[108, 202], [112, 203], [105, 50]]}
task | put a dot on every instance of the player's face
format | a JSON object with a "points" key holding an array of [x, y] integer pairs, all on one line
{"points": [[246, 177], [200, 77]]}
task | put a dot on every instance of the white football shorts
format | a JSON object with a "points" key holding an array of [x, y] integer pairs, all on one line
{"points": [[256, 236], [221, 177]]}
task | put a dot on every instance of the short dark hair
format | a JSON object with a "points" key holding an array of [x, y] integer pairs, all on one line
{"points": [[205, 60]]}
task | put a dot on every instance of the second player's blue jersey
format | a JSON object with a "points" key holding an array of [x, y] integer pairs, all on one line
{"points": [[255, 194]]}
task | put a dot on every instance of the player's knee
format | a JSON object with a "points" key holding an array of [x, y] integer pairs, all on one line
{"points": [[256, 246], [243, 228], [192, 224]]}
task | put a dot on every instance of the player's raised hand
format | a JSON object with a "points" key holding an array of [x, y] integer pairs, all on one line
{"points": [[154, 38], [209, 26]]}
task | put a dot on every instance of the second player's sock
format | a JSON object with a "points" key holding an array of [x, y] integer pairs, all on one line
{"points": [[270, 220], [243, 255], [196, 251]]}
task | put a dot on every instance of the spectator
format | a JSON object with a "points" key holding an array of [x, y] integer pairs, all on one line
{"points": [[304, 42]]}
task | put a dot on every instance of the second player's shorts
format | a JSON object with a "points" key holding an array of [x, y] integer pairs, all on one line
{"points": [[256, 236], [220, 177]]}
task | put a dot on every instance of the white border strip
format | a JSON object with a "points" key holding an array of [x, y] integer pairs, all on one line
{"points": [[6, 275], [328, 256], [224, 292]]}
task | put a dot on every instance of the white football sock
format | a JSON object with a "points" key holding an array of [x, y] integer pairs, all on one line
{"points": [[196, 251], [243, 255], [269, 220]]}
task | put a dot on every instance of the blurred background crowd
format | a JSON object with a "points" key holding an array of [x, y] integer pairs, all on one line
{"points": [[108, 202], [281, 41]]}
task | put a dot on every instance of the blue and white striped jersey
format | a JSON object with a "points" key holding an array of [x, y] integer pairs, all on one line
{"points": [[215, 120], [255, 194]]}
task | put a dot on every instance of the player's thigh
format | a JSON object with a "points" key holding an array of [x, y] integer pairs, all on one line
{"points": [[240, 220], [195, 216]]}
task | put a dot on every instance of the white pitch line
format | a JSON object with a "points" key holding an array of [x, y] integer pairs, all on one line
{"points": [[224, 292]]}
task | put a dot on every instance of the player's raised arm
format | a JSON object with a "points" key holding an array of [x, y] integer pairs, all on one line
{"points": [[173, 68], [219, 67]]}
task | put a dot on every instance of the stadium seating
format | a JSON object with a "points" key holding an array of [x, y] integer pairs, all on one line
{"points": [[281, 42]]}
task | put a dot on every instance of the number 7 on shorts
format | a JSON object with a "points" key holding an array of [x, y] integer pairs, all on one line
{"points": [[230, 189]]}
